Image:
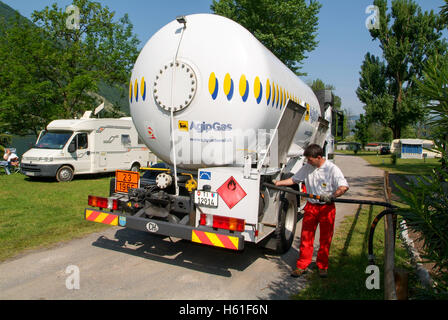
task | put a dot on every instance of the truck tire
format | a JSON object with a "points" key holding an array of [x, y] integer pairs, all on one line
{"points": [[64, 174], [286, 227]]}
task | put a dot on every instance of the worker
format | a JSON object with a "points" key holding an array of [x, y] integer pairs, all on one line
{"points": [[321, 177], [10, 159]]}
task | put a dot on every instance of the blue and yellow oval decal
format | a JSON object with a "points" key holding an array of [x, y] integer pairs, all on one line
{"points": [[277, 94], [143, 88], [228, 86], [268, 92], [244, 88], [258, 90], [136, 90], [213, 85]]}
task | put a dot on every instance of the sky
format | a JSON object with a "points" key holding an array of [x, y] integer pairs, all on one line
{"points": [[343, 36]]}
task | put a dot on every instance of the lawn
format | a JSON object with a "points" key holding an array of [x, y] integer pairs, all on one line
{"points": [[37, 214], [403, 166], [349, 259]]}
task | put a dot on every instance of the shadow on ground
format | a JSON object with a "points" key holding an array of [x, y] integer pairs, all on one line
{"points": [[181, 253], [207, 259], [372, 187], [286, 286]]}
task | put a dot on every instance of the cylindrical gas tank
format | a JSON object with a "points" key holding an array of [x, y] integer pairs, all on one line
{"points": [[223, 87]]}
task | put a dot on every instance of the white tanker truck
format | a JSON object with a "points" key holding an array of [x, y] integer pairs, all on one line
{"points": [[225, 115]]}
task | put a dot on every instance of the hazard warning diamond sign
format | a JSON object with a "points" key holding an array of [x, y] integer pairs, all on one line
{"points": [[231, 192]]}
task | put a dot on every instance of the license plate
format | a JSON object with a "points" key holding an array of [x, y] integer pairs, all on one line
{"points": [[29, 173], [206, 198]]}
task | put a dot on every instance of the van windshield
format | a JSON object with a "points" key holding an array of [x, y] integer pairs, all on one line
{"points": [[53, 139]]}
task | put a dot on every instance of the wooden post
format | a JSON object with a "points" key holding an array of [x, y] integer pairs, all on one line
{"points": [[389, 247], [401, 284]]}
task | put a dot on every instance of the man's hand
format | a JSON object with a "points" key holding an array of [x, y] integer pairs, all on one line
{"points": [[326, 198], [286, 182]]}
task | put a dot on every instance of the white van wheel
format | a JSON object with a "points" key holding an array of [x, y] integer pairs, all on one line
{"points": [[135, 167], [64, 174]]}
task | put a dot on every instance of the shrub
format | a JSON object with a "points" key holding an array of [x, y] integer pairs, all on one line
{"points": [[427, 214], [394, 158]]}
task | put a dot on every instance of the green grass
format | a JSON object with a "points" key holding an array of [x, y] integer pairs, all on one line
{"points": [[403, 166], [38, 214], [349, 259]]}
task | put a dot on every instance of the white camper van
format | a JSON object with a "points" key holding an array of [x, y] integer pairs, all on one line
{"points": [[82, 146]]}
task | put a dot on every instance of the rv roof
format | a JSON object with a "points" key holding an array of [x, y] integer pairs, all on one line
{"points": [[88, 124], [411, 141]]}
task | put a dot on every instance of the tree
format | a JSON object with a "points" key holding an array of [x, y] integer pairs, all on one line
{"points": [[444, 12], [49, 71], [377, 132], [286, 27], [5, 140], [434, 87], [408, 38], [361, 130]]}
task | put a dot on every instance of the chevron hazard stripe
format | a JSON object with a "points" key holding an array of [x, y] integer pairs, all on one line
{"points": [[214, 239], [101, 217]]}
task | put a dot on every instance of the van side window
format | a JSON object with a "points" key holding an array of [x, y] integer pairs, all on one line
{"points": [[125, 139], [140, 140], [82, 141]]}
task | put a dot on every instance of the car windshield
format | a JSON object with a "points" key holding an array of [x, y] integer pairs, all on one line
{"points": [[53, 140]]}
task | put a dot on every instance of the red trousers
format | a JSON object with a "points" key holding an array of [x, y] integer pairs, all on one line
{"points": [[315, 214]]}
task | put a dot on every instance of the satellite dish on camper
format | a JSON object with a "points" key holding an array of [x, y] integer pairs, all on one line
{"points": [[86, 115], [99, 108]]}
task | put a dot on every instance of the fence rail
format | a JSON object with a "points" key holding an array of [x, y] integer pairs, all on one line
{"points": [[389, 246]]}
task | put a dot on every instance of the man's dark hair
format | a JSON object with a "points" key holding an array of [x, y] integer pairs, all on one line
{"points": [[313, 151]]}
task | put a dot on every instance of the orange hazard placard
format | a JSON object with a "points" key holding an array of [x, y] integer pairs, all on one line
{"points": [[125, 180]]}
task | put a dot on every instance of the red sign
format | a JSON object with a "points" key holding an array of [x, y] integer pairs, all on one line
{"points": [[231, 192]]}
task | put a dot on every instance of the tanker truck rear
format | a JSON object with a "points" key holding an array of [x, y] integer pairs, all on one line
{"points": [[225, 116]]}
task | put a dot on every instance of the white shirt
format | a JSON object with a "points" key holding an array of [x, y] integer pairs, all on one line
{"points": [[319, 181], [12, 156]]}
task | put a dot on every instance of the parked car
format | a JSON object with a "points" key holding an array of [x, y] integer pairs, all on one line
{"points": [[385, 150]]}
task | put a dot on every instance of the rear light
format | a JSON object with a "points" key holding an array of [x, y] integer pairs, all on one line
{"points": [[220, 222], [105, 203], [203, 220]]}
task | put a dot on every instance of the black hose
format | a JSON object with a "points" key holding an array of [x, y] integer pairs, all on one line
{"points": [[312, 196], [372, 232]]}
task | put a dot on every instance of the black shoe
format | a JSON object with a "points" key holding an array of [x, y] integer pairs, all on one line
{"points": [[298, 272], [323, 273]]}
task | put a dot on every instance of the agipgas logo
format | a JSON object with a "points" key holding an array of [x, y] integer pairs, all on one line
{"points": [[206, 127]]}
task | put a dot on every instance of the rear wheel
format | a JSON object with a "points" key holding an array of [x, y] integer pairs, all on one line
{"points": [[64, 174], [287, 221]]}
